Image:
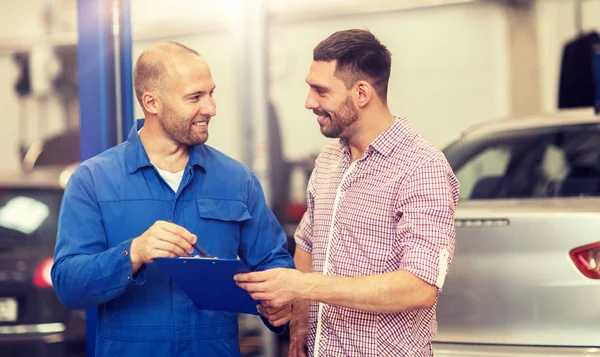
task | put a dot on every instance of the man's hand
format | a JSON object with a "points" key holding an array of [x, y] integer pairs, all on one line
{"points": [[277, 316], [163, 239], [274, 287], [299, 329]]}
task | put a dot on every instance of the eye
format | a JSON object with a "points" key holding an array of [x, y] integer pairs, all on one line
{"points": [[320, 91], [212, 92]]}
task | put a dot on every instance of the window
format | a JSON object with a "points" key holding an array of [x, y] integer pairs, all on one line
{"points": [[550, 162], [490, 163]]}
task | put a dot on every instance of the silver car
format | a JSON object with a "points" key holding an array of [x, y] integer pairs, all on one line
{"points": [[525, 279]]}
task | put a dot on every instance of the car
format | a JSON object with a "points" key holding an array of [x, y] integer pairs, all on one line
{"points": [[33, 322], [525, 278]]}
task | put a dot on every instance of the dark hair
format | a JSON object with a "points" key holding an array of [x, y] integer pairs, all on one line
{"points": [[359, 56]]}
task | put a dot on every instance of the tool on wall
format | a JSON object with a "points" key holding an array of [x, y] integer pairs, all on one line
{"points": [[577, 83]]}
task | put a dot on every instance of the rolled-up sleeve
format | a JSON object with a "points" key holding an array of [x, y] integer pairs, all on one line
{"points": [[425, 237], [85, 271]]}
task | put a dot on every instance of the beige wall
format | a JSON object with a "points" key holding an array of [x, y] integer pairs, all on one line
{"points": [[449, 69]]}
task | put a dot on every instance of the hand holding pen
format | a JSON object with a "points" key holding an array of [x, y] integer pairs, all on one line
{"points": [[162, 240]]}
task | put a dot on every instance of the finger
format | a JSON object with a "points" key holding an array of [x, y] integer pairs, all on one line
{"points": [[264, 297], [179, 230], [284, 314], [162, 254], [253, 287], [274, 310], [261, 310], [169, 247], [172, 238], [241, 277], [256, 277], [268, 299], [281, 321], [273, 302]]}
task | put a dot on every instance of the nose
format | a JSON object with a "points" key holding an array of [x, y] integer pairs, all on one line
{"points": [[209, 107], [310, 102]]}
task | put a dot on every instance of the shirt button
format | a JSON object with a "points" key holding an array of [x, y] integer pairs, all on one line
{"points": [[128, 278], [125, 253]]}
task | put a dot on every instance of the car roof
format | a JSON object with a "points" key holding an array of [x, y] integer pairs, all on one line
{"points": [[45, 177], [561, 118]]}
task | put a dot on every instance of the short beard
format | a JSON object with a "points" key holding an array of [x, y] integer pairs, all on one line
{"points": [[178, 129], [341, 120]]}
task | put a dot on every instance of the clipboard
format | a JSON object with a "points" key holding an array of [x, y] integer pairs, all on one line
{"points": [[209, 282]]}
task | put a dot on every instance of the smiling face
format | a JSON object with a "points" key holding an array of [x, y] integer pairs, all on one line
{"points": [[330, 100], [187, 102]]}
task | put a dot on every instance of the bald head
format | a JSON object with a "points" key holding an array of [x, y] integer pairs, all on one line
{"points": [[151, 67]]}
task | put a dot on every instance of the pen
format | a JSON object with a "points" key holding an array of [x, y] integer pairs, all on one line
{"points": [[203, 253], [201, 250]]}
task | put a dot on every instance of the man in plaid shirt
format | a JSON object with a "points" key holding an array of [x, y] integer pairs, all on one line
{"points": [[375, 244]]}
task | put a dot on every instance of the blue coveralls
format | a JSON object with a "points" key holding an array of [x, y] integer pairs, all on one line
{"points": [[115, 197]]}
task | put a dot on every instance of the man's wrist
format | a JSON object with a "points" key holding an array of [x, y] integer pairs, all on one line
{"points": [[310, 282], [136, 262]]}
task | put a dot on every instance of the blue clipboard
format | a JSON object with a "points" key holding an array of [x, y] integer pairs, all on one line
{"points": [[209, 282]]}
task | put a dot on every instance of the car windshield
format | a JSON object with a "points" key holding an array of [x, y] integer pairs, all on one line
{"points": [[28, 215], [559, 161]]}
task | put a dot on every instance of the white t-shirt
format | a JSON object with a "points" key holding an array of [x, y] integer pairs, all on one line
{"points": [[173, 179]]}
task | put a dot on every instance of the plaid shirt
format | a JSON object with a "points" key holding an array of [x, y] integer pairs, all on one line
{"points": [[391, 210]]}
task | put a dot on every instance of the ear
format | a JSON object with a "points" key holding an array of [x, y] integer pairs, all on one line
{"points": [[363, 93], [150, 102]]}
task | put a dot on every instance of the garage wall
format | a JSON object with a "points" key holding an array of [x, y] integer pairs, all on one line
{"points": [[449, 69]]}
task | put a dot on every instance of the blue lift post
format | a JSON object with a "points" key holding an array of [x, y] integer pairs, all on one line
{"points": [[125, 68], [105, 88]]}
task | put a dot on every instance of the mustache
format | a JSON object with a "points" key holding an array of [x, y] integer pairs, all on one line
{"points": [[320, 113]]}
